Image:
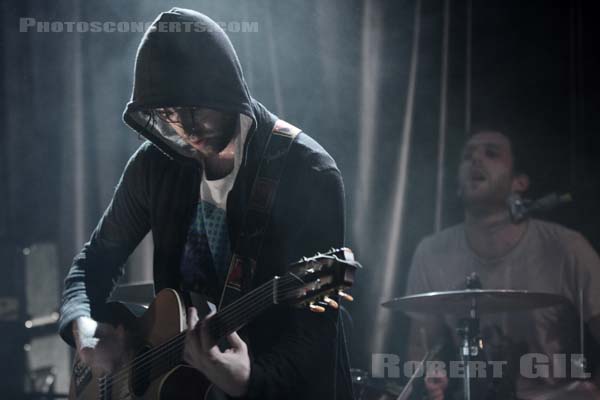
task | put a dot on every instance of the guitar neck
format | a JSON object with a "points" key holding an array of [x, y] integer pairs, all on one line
{"points": [[231, 318], [237, 314]]}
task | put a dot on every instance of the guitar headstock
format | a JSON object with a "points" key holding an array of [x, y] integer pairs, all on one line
{"points": [[312, 280]]}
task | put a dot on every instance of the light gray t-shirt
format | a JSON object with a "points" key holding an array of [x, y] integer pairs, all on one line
{"points": [[549, 258]]}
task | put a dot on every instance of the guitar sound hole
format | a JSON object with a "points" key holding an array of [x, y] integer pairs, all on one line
{"points": [[141, 372]]}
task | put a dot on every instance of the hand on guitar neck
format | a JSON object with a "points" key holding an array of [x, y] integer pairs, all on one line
{"points": [[101, 346], [228, 370]]}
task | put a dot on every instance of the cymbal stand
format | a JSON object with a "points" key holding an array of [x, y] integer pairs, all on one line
{"points": [[470, 343]]}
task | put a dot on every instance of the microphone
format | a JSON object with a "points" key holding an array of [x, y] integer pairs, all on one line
{"points": [[520, 208]]}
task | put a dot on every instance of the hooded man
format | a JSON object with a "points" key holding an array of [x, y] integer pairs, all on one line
{"points": [[190, 184]]}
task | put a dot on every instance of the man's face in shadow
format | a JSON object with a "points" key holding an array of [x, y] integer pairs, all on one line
{"points": [[206, 130]]}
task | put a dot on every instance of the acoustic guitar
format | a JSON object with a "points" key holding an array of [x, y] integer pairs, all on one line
{"points": [[154, 369]]}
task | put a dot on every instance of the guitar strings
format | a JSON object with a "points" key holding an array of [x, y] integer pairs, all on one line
{"points": [[178, 350], [150, 356], [177, 341], [237, 304], [235, 308], [178, 346], [174, 349], [160, 348], [166, 343], [220, 332], [163, 363]]}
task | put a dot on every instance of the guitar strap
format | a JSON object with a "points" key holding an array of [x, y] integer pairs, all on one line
{"points": [[258, 211]]}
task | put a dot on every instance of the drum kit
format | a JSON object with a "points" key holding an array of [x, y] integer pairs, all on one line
{"points": [[467, 305]]}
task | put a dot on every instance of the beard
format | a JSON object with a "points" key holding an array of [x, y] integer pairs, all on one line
{"points": [[214, 141]]}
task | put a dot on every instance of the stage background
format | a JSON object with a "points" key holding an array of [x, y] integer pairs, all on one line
{"points": [[389, 88]]}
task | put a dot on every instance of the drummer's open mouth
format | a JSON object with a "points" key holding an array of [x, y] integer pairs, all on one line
{"points": [[477, 175]]}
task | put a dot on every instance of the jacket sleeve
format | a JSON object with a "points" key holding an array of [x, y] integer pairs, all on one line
{"points": [[98, 266], [305, 354]]}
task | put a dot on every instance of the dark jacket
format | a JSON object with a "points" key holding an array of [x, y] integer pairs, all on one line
{"points": [[293, 351]]}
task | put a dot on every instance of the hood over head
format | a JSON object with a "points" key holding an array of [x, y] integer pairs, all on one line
{"points": [[184, 59]]}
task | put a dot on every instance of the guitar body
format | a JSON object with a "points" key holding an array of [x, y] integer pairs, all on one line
{"points": [[164, 320], [153, 368]]}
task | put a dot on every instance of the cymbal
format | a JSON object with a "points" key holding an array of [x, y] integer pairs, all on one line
{"points": [[487, 301]]}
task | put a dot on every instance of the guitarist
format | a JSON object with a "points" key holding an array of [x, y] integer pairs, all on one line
{"points": [[191, 184]]}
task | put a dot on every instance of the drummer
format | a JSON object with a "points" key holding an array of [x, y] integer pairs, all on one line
{"points": [[531, 255]]}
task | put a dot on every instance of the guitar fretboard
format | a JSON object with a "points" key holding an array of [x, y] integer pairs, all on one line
{"points": [[160, 359]]}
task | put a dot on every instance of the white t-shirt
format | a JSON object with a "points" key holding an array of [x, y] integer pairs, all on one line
{"points": [[549, 258]]}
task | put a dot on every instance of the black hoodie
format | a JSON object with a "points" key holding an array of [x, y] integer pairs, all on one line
{"points": [[295, 353], [184, 59]]}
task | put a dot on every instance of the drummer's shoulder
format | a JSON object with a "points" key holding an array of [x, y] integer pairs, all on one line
{"points": [[561, 235]]}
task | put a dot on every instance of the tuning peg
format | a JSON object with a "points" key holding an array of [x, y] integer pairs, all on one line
{"points": [[315, 308], [331, 303], [345, 296]]}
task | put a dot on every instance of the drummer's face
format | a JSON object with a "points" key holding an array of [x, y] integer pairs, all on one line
{"points": [[486, 169]]}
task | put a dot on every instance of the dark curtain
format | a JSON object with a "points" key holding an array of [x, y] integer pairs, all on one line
{"points": [[390, 88]]}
